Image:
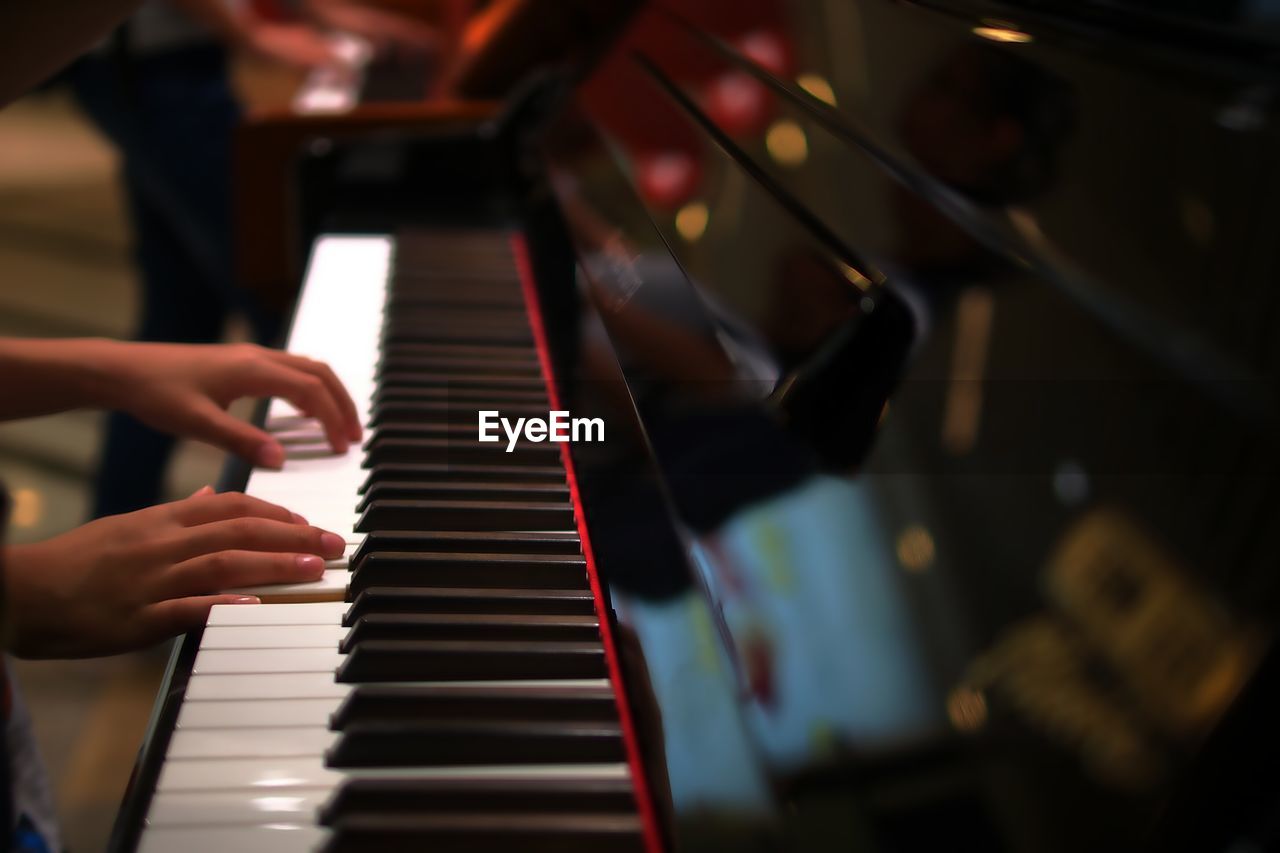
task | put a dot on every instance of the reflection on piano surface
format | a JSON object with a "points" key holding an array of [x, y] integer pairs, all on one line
{"points": [[934, 347]]}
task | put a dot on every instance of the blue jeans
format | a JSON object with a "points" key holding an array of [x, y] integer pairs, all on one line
{"points": [[171, 116]]}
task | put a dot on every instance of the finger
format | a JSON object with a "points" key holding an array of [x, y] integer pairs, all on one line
{"points": [[325, 374], [203, 490], [179, 615], [209, 423], [204, 508], [213, 573], [252, 534], [310, 394], [388, 27]]}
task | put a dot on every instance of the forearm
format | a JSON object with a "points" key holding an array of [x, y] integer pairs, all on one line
{"points": [[40, 377], [38, 38]]}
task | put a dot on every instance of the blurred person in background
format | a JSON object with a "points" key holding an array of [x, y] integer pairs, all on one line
{"points": [[159, 88]]}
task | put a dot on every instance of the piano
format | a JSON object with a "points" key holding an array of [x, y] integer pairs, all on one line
{"points": [[935, 504]]}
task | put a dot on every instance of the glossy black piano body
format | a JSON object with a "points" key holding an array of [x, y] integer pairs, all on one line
{"points": [[935, 346]]}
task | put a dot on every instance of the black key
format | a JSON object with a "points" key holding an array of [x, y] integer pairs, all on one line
{"points": [[513, 314], [387, 599], [394, 333], [450, 743], [394, 413], [429, 318], [479, 316], [465, 515], [470, 626], [527, 382], [370, 796], [497, 353], [439, 450], [388, 472], [464, 490], [469, 660], [486, 833], [426, 326], [518, 571], [460, 429], [449, 296], [460, 365], [372, 702], [456, 293], [453, 542], [387, 393], [491, 267]]}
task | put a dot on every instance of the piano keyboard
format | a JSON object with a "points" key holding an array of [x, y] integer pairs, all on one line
{"points": [[446, 686], [335, 88]]}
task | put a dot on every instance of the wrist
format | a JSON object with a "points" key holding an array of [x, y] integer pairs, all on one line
{"points": [[100, 372]]}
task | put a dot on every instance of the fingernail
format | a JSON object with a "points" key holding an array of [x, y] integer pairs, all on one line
{"points": [[203, 490], [246, 599], [333, 544], [297, 519], [270, 455], [311, 565]]}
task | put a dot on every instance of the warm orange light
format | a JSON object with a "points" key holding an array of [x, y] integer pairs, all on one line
{"points": [[28, 507], [915, 548], [967, 709], [1005, 34], [787, 143], [692, 220], [818, 87]]}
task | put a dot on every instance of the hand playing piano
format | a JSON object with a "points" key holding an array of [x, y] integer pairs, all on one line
{"points": [[387, 28], [185, 390], [127, 581], [293, 45]]}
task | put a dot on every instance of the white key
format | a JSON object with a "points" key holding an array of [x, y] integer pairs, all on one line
{"points": [[244, 769], [295, 685], [322, 613], [243, 661], [342, 301], [266, 838], [323, 490], [291, 773], [246, 774], [332, 587], [335, 88], [213, 808], [250, 743], [248, 714], [272, 637]]}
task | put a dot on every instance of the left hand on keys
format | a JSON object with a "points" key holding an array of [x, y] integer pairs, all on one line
{"points": [[185, 389]]}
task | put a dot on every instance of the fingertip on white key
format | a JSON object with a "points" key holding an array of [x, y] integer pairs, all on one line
{"points": [[332, 586]]}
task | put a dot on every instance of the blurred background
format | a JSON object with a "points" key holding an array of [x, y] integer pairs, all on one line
{"points": [[68, 272]]}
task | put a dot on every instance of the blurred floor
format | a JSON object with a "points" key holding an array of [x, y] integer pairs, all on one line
{"points": [[65, 270]]}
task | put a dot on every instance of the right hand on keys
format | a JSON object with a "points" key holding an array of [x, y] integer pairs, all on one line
{"points": [[128, 581]]}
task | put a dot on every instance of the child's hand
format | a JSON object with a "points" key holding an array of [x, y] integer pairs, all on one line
{"points": [[128, 581], [185, 389]]}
